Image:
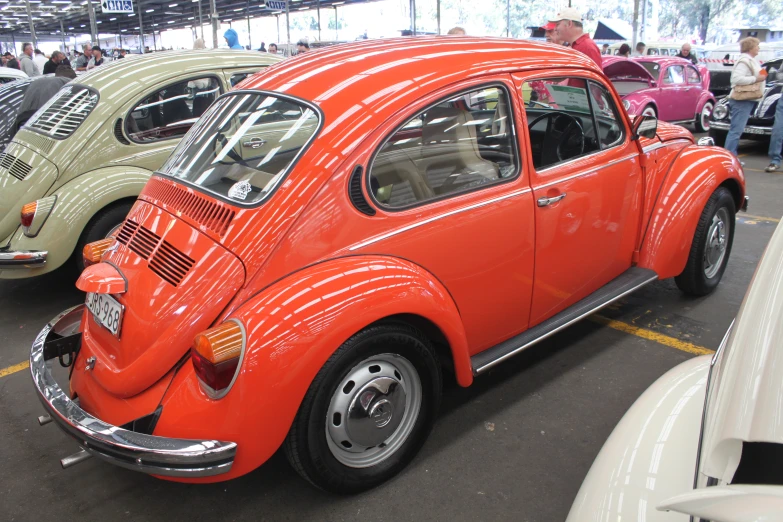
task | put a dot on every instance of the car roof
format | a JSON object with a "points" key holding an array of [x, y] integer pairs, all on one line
{"points": [[387, 72], [156, 67], [663, 60]]}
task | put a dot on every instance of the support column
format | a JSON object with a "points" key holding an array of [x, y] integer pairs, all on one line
{"points": [[141, 27], [287, 25], [635, 37], [277, 19], [93, 25], [249, 36], [318, 9], [62, 35], [154, 42], [32, 26], [200, 22], [508, 18], [438, 13], [643, 31], [215, 23], [413, 16], [336, 36]]}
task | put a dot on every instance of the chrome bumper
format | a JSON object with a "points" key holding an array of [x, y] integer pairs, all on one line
{"points": [[124, 448], [22, 259], [749, 129]]}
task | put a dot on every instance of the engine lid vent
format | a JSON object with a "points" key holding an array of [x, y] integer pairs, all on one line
{"points": [[205, 212], [166, 260], [15, 167]]}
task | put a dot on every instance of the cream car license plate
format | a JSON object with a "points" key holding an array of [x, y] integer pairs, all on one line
{"points": [[106, 311]]}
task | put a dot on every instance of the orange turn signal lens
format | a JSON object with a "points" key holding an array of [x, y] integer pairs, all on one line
{"points": [[28, 213], [216, 355], [93, 252]]}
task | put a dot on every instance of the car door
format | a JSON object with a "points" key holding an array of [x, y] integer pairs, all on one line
{"points": [[674, 94], [693, 91], [586, 180]]}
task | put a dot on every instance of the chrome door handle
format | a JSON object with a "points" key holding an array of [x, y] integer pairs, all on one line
{"points": [[542, 202], [254, 143]]}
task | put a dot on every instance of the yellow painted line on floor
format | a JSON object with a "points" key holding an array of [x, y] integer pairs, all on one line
{"points": [[665, 340], [759, 218], [15, 368], [758, 170]]}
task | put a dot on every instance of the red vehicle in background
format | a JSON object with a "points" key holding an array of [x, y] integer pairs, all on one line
{"points": [[338, 232], [671, 89]]}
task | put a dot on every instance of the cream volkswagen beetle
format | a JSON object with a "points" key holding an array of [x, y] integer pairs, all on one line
{"points": [[705, 441], [72, 173]]}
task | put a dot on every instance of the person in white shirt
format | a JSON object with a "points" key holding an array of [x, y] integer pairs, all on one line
{"points": [[747, 71], [40, 59]]}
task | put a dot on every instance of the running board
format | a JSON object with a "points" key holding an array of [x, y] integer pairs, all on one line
{"points": [[630, 280]]}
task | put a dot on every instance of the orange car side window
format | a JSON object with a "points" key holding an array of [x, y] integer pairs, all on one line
{"points": [[461, 143]]}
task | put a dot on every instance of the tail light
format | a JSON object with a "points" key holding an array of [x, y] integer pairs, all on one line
{"points": [[217, 355], [93, 252], [34, 215]]}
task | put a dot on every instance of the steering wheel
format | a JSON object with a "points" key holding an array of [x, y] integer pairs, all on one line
{"points": [[566, 131]]}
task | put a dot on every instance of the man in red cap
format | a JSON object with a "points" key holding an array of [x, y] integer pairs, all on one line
{"points": [[549, 33], [568, 27]]}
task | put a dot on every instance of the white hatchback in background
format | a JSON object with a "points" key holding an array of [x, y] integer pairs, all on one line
{"points": [[677, 454]]}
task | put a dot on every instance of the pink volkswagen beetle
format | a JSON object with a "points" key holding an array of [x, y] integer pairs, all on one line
{"points": [[672, 89]]}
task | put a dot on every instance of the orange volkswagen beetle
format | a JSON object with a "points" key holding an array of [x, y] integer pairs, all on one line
{"points": [[342, 229]]}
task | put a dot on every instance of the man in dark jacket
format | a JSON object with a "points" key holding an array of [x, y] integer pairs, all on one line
{"points": [[56, 59], [41, 91], [685, 52]]}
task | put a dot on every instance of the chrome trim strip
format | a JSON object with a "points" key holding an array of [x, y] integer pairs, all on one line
{"points": [[714, 359], [128, 449], [586, 171], [436, 218], [492, 364], [756, 130], [33, 259]]}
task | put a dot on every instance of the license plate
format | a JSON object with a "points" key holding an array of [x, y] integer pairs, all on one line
{"points": [[752, 130], [106, 311]]}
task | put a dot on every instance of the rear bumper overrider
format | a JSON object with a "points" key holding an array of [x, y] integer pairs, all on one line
{"points": [[128, 449]]}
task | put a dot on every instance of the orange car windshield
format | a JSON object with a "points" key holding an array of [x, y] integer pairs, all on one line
{"points": [[244, 145]]}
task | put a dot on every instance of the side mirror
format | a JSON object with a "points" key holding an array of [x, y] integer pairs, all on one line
{"points": [[645, 126]]}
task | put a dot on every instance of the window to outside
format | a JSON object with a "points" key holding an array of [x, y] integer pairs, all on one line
{"points": [[559, 120], [610, 128], [238, 77], [459, 144], [674, 75], [243, 146], [652, 67], [171, 111], [693, 75]]}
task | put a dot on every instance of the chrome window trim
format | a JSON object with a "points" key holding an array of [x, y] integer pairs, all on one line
{"points": [[514, 137], [585, 171]]}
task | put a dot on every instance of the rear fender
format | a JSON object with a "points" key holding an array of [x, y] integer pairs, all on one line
{"points": [[691, 180], [704, 97], [77, 202], [292, 328]]}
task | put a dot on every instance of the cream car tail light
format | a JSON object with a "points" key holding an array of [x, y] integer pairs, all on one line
{"points": [[217, 356], [34, 215]]}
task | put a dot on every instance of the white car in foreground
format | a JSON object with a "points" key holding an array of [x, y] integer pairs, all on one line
{"points": [[706, 439]]}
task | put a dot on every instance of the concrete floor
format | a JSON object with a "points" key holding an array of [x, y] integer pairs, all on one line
{"points": [[515, 446]]}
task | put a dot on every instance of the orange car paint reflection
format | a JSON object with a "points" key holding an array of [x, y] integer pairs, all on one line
{"points": [[305, 270]]}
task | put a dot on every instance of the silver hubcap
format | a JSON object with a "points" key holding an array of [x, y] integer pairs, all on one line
{"points": [[373, 410], [706, 112], [715, 249]]}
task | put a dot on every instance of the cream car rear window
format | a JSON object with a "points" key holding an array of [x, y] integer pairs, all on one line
{"points": [[244, 145]]}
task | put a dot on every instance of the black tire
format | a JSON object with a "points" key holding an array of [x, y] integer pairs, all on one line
{"points": [[694, 280], [98, 228], [306, 445], [718, 136]]}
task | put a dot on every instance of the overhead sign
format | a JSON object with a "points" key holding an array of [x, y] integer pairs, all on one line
{"points": [[117, 6], [276, 4]]}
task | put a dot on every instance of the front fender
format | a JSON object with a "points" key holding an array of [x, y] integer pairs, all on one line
{"points": [[292, 328], [651, 454], [77, 202], [692, 178], [638, 102]]}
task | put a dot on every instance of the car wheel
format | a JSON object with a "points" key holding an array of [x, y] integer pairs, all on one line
{"points": [[711, 245], [649, 110], [368, 411], [103, 224], [718, 136], [703, 121]]}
